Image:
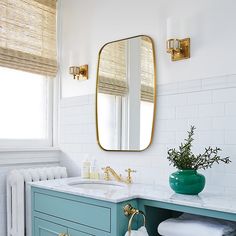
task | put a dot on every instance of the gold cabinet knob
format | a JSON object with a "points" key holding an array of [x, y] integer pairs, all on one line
{"points": [[63, 234]]}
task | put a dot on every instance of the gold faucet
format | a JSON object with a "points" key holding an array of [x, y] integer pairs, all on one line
{"points": [[108, 170]]}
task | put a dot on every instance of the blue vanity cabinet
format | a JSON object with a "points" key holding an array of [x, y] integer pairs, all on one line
{"points": [[55, 213], [58, 213]]}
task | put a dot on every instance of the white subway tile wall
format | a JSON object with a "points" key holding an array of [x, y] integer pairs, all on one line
{"points": [[209, 104]]}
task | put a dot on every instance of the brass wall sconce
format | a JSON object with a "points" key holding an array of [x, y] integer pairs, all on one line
{"points": [[79, 72], [178, 48]]}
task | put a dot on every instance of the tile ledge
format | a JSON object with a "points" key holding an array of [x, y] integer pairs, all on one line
{"points": [[24, 149], [25, 156]]}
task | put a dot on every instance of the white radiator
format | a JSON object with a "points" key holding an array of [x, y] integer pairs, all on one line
{"points": [[19, 197]]}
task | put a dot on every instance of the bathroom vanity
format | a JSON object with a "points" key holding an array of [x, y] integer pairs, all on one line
{"points": [[75, 207], [57, 213]]}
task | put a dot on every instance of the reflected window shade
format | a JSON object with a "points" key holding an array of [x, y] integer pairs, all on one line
{"points": [[147, 71], [28, 35], [112, 69]]}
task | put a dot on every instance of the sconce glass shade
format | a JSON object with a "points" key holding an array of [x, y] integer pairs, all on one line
{"points": [[79, 72], [173, 45], [178, 48], [74, 70]]}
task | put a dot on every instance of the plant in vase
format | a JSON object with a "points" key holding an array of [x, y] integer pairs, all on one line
{"points": [[187, 180]]}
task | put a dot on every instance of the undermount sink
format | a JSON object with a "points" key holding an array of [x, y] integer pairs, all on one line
{"points": [[97, 185]]}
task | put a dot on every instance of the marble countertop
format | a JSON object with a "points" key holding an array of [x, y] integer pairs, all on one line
{"points": [[122, 192]]}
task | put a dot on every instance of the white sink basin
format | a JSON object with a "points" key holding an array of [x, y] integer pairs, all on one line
{"points": [[97, 185]]}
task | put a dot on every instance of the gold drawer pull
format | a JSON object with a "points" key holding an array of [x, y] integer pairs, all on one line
{"points": [[63, 234]]}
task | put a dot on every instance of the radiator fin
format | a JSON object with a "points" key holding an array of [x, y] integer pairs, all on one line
{"points": [[19, 196]]}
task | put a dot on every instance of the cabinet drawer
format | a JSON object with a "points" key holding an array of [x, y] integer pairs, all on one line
{"points": [[90, 215]]}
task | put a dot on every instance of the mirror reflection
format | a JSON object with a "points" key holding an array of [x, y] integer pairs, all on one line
{"points": [[125, 95]]}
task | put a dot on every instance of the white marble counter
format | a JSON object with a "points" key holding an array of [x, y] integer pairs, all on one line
{"points": [[211, 201]]}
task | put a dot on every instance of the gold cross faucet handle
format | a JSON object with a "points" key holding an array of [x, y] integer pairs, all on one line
{"points": [[129, 178], [106, 173]]}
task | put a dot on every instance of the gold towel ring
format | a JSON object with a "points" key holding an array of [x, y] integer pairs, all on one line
{"points": [[131, 219]]}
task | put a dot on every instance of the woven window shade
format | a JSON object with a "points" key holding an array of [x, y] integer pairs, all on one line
{"points": [[28, 35], [112, 69], [147, 70]]}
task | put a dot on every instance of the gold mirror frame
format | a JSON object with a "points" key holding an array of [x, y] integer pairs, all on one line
{"points": [[155, 94]]}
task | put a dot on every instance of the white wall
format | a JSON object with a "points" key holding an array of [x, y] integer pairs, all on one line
{"points": [[88, 24], [199, 91], [209, 104]]}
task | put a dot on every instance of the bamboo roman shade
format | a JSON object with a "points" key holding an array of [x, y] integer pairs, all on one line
{"points": [[28, 35], [112, 69], [147, 70]]}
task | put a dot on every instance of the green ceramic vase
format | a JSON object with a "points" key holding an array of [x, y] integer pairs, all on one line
{"points": [[187, 182]]}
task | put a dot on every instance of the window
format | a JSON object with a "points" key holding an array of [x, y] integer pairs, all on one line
{"points": [[26, 109], [146, 122], [109, 136], [28, 62]]}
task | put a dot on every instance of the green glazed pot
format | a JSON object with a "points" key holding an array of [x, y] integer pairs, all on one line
{"points": [[187, 182]]}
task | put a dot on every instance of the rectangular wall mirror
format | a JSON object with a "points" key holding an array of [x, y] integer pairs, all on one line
{"points": [[126, 94]]}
